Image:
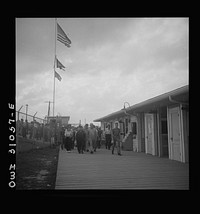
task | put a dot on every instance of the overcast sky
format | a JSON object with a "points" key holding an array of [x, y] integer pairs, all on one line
{"points": [[110, 61]]}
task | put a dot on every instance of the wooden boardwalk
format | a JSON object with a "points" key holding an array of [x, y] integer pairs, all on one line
{"points": [[132, 170]]}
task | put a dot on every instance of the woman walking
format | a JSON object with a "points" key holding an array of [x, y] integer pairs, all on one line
{"points": [[92, 138], [68, 139], [108, 137]]}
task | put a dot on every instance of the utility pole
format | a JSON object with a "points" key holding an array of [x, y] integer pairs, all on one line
{"points": [[26, 111], [26, 119], [48, 111]]}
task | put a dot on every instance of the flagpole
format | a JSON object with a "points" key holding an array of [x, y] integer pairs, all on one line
{"points": [[54, 67]]}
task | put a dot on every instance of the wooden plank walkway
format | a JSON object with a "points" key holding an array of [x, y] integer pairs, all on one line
{"points": [[132, 170]]}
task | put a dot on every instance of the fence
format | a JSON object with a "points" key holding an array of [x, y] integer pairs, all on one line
{"points": [[29, 126], [32, 132], [29, 118]]}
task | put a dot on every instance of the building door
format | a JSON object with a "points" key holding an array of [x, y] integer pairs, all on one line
{"points": [[149, 134], [135, 138], [174, 134]]}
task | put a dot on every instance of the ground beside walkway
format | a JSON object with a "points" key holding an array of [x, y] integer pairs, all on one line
{"points": [[132, 170], [36, 168]]}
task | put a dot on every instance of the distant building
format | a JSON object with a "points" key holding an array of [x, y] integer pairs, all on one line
{"points": [[158, 126], [61, 120]]}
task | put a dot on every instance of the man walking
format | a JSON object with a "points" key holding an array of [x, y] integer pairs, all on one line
{"points": [[62, 136], [98, 137], [86, 138], [116, 139], [92, 138], [80, 139]]}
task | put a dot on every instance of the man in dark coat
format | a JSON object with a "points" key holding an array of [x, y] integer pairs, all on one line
{"points": [[62, 137], [80, 139]]}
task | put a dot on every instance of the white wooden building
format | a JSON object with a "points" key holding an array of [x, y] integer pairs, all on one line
{"points": [[157, 126]]}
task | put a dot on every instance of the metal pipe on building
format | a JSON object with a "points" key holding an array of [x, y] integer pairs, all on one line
{"points": [[124, 109], [175, 101]]}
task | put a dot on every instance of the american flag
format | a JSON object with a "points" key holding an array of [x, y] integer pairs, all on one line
{"points": [[62, 37]]}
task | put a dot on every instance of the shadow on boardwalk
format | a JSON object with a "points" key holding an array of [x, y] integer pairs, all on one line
{"points": [[132, 170]]}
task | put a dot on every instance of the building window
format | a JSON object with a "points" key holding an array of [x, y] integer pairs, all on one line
{"points": [[134, 128]]}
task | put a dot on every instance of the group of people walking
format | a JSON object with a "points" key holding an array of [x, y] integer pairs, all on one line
{"points": [[88, 139], [85, 139]]}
